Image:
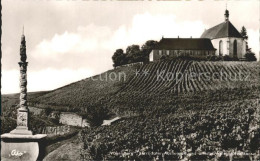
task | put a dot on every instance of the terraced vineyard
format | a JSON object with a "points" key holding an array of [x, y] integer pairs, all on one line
{"points": [[168, 119], [172, 77], [190, 76]]}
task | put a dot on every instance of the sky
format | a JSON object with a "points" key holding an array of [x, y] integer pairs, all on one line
{"points": [[71, 40]]}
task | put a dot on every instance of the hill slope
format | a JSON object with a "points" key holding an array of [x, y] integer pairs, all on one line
{"points": [[167, 110], [79, 95], [160, 78], [167, 119]]}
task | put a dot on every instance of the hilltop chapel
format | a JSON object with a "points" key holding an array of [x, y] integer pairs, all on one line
{"points": [[220, 40]]}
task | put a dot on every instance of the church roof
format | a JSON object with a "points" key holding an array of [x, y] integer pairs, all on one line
{"points": [[225, 29], [184, 44]]}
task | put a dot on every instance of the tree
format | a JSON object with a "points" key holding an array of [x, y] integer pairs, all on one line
{"points": [[147, 48], [133, 54], [250, 56], [119, 58], [243, 32], [97, 114]]}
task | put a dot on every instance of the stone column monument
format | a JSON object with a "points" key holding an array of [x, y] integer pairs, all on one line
{"points": [[20, 144], [22, 112]]}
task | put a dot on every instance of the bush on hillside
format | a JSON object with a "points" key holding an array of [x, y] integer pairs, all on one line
{"points": [[250, 56], [229, 58], [235, 59], [96, 114], [214, 58], [182, 57], [7, 124], [165, 57], [191, 58]]}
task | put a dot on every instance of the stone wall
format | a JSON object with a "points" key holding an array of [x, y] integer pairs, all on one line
{"points": [[72, 119], [109, 122], [129, 65], [56, 130], [36, 111], [66, 118]]}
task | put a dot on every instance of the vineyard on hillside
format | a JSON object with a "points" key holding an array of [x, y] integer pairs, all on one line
{"points": [[172, 77], [87, 92], [164, 109], [182, 118], [190, 76], [194, 130]]}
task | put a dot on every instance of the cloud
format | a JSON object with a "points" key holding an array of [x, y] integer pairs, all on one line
{"points": [[85, 39], [71, 56], [152, 27], [60, 44], [47, 79], [90, 45], [10, 81]]}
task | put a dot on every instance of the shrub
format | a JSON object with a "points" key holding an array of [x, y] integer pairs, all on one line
{"points": [[250, 56], [182, 57], [96, 114], [227, 58], [214, 58]]}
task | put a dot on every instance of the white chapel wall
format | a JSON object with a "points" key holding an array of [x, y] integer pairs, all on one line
{"points": [[215, 43], [241, 47], [228, 49]]}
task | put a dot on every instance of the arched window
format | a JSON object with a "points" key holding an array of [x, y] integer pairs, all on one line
{"points": [[220, 48], [235, 49]]}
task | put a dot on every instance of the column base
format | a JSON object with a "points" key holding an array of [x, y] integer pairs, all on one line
{"points": [[15, 147], [21, 132]]}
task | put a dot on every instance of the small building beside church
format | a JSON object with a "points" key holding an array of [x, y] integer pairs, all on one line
{"points": [[174, 47], [220, 40]]}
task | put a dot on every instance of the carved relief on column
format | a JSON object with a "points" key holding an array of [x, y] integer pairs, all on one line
{"points": [[23, 85]]}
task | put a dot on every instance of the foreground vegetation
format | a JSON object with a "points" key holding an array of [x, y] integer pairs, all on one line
{"points": [[198, 125]]}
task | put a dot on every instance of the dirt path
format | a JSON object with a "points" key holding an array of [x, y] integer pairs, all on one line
{"points": [[64, 150]]}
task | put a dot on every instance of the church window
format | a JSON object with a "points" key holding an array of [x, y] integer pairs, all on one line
{"points": [[220, 48], [235, 49]]}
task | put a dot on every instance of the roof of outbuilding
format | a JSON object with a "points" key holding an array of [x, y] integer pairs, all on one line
{"points": [[225, 29], [184, 44]]}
